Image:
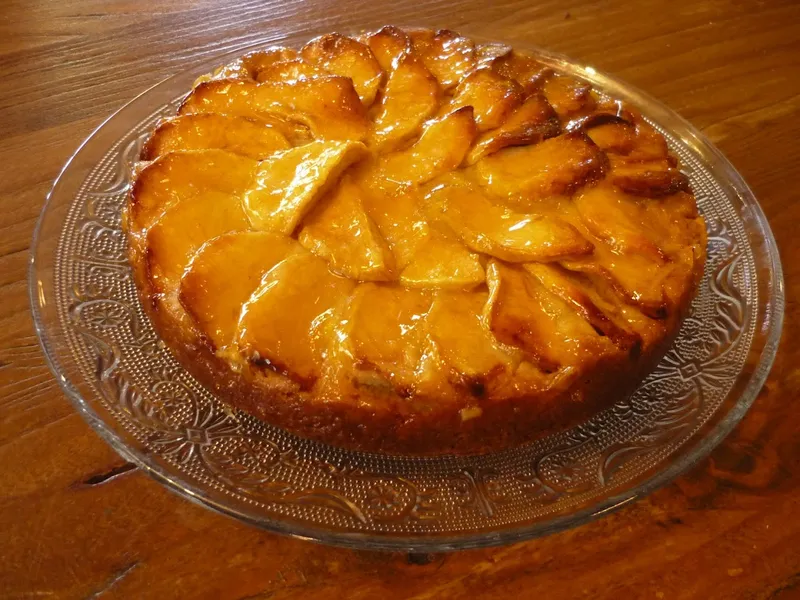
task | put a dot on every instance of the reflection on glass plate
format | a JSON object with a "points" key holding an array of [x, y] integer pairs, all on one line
{"points": [[113, 367]]}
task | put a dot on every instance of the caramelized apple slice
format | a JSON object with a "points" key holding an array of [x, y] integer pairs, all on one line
{"points": [[328, 105], [522, 313], [400, 222], [183, 228], [180, 175], [282, 325], [386, 326], [212, 296], [563, 284], [501, 232], [290, 71], [651, 179], [388, 44], [466, 345], [287, 184], [618, 220], [555, 167], [449, 56], [250, 65], [486, 54], [567, 95], [240, 135], [635, 279], [347, 57], [411, 96], [529, 73], [492, 97], [531, 123], [339, 231], [443, 263], [441, 148]]}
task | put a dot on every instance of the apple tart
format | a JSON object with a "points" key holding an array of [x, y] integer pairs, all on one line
{"points": [[408, 242]]}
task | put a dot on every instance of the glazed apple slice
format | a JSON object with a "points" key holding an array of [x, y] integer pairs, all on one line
{"points": [[492, 97], [568, 95], [455, 322], [529, 73], [651, 179], [346, 57], [339, 230], [618, 220], [441, 262], [251, 64], [208, 292], [239, 135], [183, 228], [522, 313], [411, 96], [387, 334], [499, 231], [634, 279], [282, 326], [441, 148], [586, 303], [287, 184], [400, 222], [531, 123], [290, 71], [388, 44], [329, 106], [449, 56], [555, 167], [176, 176]]}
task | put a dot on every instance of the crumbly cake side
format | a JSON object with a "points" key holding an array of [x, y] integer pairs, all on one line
{"points": [[407, 242]]}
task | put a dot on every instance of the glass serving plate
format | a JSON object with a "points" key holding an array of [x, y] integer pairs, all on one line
{"points": [[127, 385]]}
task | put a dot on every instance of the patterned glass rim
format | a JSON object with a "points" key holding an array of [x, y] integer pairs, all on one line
{"points": [[760, 355]]}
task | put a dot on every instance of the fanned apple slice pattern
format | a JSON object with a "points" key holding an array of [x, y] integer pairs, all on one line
{"points": [[414, 215]]}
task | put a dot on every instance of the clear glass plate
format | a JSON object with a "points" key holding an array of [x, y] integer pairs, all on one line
{"points": [[118, 374]]}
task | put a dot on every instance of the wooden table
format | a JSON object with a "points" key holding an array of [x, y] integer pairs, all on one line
{"points": [[78, 522]]}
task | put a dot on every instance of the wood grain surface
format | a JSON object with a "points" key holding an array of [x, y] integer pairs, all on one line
{"points": [[76, 521]]}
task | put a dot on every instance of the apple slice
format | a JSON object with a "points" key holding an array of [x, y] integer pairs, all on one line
{"points": [[287, 184], [486, 54], [388, 44], [328, 105], [587, 304], [449, 56], [555, 167], [455, 322], [529, 73], [239, 135], [443, 263], [441, 148], [400, 222], [411, 96], [492, 97], [387, 333], [618, 220], [522, 313], [499, 231], [339, 231], [183, 228], [651, 179], [568, 95], [283, 324], [346, 57], [251, 64], [177, 176], [290, 71], [212, 296], [531, 123]]}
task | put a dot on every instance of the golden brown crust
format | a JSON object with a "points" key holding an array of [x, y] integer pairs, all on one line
{"points": [[619, 334]]}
